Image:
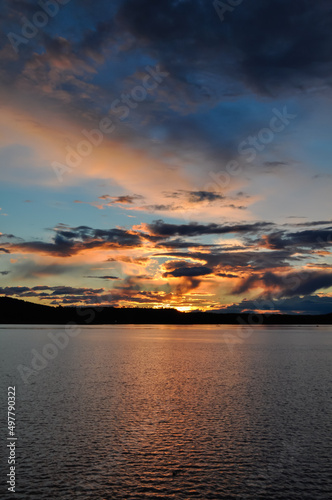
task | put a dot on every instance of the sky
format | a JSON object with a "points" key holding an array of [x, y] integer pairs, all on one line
{"points": [[167, 154]]}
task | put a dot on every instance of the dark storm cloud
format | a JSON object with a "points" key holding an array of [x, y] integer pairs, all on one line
{"points": [[196, 196], [180, 244], [247, 260], [186, 285], [141, 261], [26, 269], [160, 228], [39, 291], [176, 239], [312, 304], [125, 199], [239, 260], [311, 239], [115, 236], [14, 290], [103, 277], [8, 236], [61, 246], [227, 275], [269, 46], [181, 196], [181, 269], [312, 223], [185, 269], [241, 207], [4, 250], [287, 285], [68, 290], [133, 297], [161, 207], [277, 44], [68, 242]]}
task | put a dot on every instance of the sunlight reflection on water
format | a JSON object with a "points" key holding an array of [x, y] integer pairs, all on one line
{"points": [[172, 412]]}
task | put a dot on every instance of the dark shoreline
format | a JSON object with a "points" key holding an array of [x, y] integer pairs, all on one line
{"points": [[14, 311]]}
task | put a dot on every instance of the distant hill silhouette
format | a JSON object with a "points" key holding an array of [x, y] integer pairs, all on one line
{"points": [[15, 311]]}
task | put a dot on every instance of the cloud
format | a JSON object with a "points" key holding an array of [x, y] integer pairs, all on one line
{"points": [[103, 277], [24, 291], [8, 236], [313, 223], [309, 239], [160, 228], [43, 268], [14, 290], [160, 208], [311, 304], [172, 148], [141, 261], [278, 45], [287, 285], [196, 196], [68, 290], [239, 259], [199, 196], [275, 164], [122, 200], [227, 275], [183, 199], [198, 270], [68, 242], [186, 285], [188, 271], [71, 241]]}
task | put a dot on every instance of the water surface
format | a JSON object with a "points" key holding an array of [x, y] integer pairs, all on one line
{"points": [[170, 412]]}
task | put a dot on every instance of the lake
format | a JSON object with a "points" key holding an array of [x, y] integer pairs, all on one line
{"points": [[169, 412]]}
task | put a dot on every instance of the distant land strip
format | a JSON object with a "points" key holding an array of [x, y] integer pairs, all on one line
{"points": [[15, 311]]}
